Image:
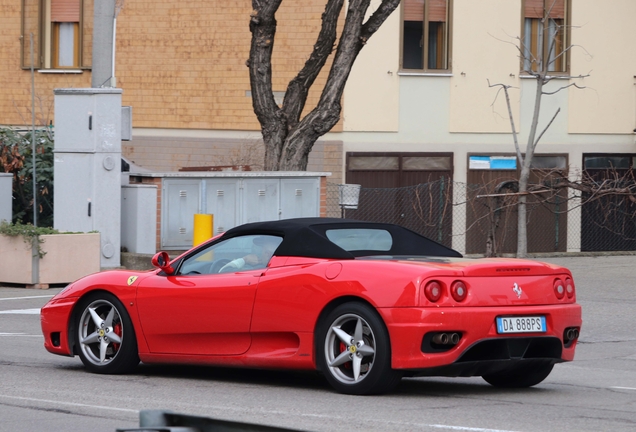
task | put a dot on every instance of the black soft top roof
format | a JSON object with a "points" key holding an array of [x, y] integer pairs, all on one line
{"points": [[307, 237]]}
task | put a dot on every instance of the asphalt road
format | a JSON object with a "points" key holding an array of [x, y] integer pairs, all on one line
{"points": [[596, 392]]}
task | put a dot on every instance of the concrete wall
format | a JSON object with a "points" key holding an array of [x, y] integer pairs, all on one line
{"points": [[371, 97], [604, 50], [171, 150], [478, 56]]}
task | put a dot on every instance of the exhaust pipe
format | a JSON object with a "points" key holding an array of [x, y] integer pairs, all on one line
{"points": [[572, 334], [454, 338], [441, 339], [446, 338]]}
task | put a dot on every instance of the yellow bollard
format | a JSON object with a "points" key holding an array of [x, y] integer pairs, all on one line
{"points": [[203, 228]]}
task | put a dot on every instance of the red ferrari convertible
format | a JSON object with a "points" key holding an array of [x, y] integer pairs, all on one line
{"points": [[364, 303]]}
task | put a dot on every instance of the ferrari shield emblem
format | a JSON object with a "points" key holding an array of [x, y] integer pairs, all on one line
{"points": [[131, 280]]}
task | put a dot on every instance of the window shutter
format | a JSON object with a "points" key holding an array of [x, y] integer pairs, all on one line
{"points": [[558, 10], [414, 10], [437, 10], [65, 10], [534, 8]]}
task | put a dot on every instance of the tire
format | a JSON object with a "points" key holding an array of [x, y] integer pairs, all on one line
{"points": [[520, 376], [99, 317], [354, 351]]}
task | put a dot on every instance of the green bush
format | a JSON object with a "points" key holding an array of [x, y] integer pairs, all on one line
{"points": [[16, 158]]}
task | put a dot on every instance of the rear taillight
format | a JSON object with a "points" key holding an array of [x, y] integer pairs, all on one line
{"points": [[569, 287], [459, 291], [559, 289], [433, 291]]}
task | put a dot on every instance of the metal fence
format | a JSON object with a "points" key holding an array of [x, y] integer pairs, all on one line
{"points": [[482, 219]]}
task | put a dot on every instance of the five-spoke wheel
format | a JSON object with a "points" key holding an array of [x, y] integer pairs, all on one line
{"points": [[354, 351], [105, 335]]}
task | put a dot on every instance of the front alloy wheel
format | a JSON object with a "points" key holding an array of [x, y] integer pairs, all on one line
{"points": [[106, 337], [354, 351]]}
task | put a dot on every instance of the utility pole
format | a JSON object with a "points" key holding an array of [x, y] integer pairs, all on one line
{"points": [[103, 32]]}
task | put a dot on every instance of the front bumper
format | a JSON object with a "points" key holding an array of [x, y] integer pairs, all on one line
{"points": [[54, 319], [477, 327]]}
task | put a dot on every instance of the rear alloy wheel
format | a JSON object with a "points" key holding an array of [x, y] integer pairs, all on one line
{"points": [[520, 376], [105, 335], [354, 351]]}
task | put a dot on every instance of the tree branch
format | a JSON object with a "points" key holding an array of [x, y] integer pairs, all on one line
{"points": [[546, 128], [512, 120], [327, 112], [564, 87], [263, 29], [298, 88]]}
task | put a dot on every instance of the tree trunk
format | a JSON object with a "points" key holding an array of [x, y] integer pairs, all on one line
{"points": [[288, 139], [522, 221]]}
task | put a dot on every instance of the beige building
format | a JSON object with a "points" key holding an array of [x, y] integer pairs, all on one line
{"points": [[417, 106]]}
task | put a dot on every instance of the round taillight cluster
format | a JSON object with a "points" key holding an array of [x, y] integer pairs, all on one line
{"points": [[559, 288], [459, 291], [569, 287], [434, 291]]}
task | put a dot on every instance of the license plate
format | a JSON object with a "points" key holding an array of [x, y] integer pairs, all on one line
{"points": [[528, 324]]}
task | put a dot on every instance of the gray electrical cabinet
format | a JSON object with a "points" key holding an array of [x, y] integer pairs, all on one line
{"points": [[234, 199], [87, 166], [222, 201], [297, 194], [261, 199], [183, 199], [6, 197], [139, 218]]}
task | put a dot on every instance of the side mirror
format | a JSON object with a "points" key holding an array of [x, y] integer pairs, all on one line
{"points": [[162, 260]]}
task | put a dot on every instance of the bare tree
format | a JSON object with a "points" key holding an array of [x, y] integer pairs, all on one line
{"points": [[288, 138], [540, 66]]}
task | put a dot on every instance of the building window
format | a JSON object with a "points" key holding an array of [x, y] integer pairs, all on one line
{"points": [[60, 33], [65, 17], [608, 161], [545, 33], [426, 34]]}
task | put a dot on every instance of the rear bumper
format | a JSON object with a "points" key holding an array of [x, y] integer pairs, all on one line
{"points": [[480, 344], [54, 318]]}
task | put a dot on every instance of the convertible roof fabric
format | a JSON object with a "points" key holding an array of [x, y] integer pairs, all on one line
{"points": [[306, 237]]}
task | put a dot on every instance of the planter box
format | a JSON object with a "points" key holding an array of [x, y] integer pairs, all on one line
{"points": [[68, 257]]}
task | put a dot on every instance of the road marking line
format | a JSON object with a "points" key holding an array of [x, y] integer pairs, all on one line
{"points": [[463, 428], [25, 298], [22, 312], [19, 334], [101, 407], [623, 388]]}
